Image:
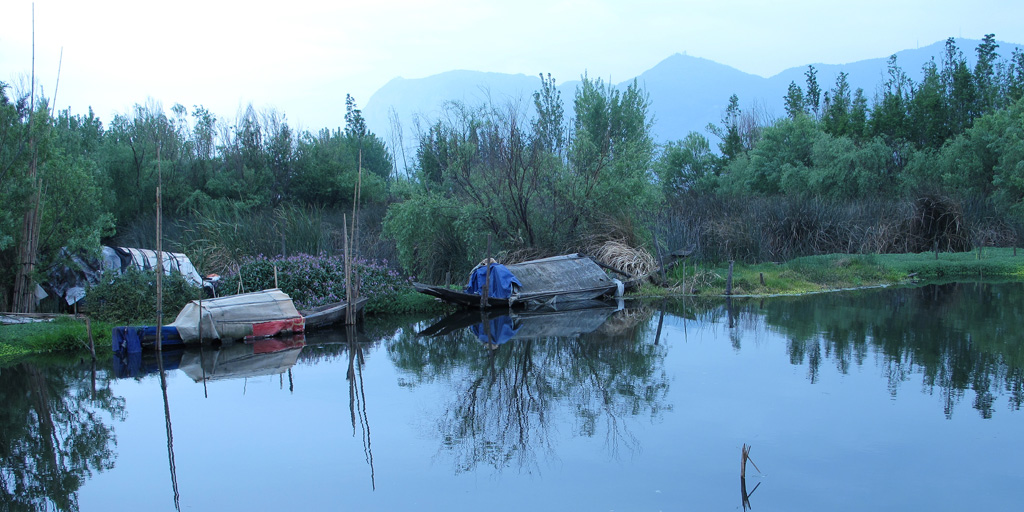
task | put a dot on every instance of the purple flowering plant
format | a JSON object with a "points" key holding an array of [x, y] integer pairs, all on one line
{"points": [[313, 281]]}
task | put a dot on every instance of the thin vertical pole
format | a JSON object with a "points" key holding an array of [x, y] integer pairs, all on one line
{"points": [[487, 276], [349, 311], [159, 259], [728, 280]]}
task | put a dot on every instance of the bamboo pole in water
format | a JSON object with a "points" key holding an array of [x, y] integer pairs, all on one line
{"points": [[728, 280], [349, 316], [485, 292]]}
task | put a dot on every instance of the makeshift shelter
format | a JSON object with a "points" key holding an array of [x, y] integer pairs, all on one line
{"points": [[69, 281]]}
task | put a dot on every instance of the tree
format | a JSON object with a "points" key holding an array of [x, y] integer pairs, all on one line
{"points": [[780, 161], [836, 118], [548, 126], [326, 168], [813, 94], [355, 125], [858, 129], [960, 88], [890, 113], [929, 111], [730, 142], [985, 79], [1015, 77], [795, 103], [686, 165], [610, 153]]}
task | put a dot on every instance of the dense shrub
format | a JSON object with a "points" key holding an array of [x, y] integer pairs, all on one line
{"points": [[131, 297], [313, 281], [780, 228]]}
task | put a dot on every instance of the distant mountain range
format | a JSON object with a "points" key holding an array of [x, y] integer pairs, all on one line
{"points": [[686, 92]]}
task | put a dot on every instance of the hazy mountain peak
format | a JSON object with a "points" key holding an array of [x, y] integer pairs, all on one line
{"points": [[687, 92]]}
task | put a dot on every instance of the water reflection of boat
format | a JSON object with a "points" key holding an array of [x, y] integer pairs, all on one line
{"points": [[497, 327], [253, 358], [272, 356]]}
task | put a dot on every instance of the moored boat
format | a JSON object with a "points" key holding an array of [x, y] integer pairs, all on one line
{"points": [[244, 316], [547, 281], [330, 314]]}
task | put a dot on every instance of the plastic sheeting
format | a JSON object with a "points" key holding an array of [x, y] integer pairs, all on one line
{"points": [[69, 282], [503, 283], [146, 259]]}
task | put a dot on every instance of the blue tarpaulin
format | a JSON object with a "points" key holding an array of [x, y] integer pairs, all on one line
{"points": [[126, 339], [130, 338], [501, 281]]}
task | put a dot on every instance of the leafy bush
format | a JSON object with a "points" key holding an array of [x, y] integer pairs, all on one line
{"points": [[313, 281], [131, 297]]}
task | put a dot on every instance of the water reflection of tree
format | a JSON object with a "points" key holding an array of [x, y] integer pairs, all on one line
{"points": [[52, 433], [958, 336], [508, 399]]}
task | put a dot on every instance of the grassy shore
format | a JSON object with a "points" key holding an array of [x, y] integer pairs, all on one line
{"points": [[802, 275], [813, 274], [64, 334]]}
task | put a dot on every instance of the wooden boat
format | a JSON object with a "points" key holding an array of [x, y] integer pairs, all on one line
{"points": [[330, 314], [567, 278], [234, 317]]}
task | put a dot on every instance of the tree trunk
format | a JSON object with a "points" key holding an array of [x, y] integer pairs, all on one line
{"points": [[28, 248]]}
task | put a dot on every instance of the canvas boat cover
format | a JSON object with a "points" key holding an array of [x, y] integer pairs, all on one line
{"points": [[572, 276], [247, 315]]}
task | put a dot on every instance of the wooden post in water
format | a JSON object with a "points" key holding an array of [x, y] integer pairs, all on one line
{"points": [[728, 280], [200, 329], [349, 317], [92, 343], [487, 276], [743, 462], [693, 282], [661, 259]]}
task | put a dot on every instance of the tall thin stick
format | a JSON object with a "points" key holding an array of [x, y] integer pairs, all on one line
{"points": [[349, 306], [60, 61], [159, 261], [28, 247]]}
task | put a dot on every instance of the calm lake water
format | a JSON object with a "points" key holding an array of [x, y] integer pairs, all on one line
{"points": [[886, 399]]}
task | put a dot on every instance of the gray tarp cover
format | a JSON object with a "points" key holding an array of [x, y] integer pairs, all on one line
{"points": [[232, 317], [572, 277]]}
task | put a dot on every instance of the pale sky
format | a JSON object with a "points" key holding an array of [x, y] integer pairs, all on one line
{"points": [[301, 57]]}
